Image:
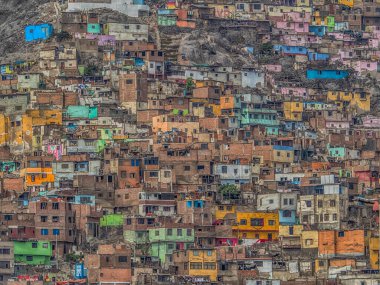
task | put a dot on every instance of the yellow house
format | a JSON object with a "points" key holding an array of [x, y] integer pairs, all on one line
{"points": [[374, 252], [355, 100], [165, 123], [202, 262], [284, 154], [216, 110], [20, 132], [293, 111], [45, 117], [309, 239], [222, 210], [290, 231], [256, 225], [3, 129], [349, 3]]}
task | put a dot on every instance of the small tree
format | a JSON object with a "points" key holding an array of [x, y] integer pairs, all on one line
{"points": [[63, 36], [189, 84], [266, 49], [229, 191]]}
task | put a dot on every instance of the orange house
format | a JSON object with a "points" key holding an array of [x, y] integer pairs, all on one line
{"points": [[341, 243]]}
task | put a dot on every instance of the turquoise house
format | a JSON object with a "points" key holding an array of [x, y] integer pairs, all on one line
{"points": [[326, 74], [39, 32], [94, 29], [338, 152], [82, 112]]}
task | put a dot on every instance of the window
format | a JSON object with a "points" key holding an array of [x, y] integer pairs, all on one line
{"points": [[335, 217], [55, 206], [285, 201], [5, 251], [44, 219], [271, 201], [56, 232], [186, 168], [209, 265], [157, 233], [243, 222], [287, 214], [34, 245], [271, 222], [332, 203], [195, 265], [326, 217], [123, 258], [55, 219], [153, 174], [189, 232], [179, 232], [224, 169], [44, 232], [170, 246], [29, 258], [209, 253], [129, 81], [124, 174], [341, 234], [320, 203], [309, 242], [257, 222], [308, 204], [169, 232], [195, 252]]}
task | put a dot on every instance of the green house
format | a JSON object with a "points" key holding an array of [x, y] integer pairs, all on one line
{"points": [[112, 220], [136, 237], [164, 241], [79, 112], [166, 20], [33, 252], [94, 28], [338, 152], [330, 23]]}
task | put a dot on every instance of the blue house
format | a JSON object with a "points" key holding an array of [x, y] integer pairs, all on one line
{"points": [[319, 31], [287, 217], [290, 50], [38, 32], [318, 56], [326, 74]]}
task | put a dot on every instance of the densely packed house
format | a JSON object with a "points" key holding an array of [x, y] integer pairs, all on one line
{"points": [[125, 161]]}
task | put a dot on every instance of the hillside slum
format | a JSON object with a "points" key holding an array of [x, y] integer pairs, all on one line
{"points": [[191, 142]]}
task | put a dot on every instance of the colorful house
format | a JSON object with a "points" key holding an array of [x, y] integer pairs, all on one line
{"points": [[164, 241], [326, 74], [203, 263], [38, 32], [33, 252], [256, 225]]}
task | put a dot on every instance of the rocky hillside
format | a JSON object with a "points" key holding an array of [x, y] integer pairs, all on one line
{"points": [[14, 15]]}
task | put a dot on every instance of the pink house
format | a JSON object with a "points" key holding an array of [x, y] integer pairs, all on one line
{"points": [[297, 27], [373, 43], [297, 17], [364, 66], [371, 122], [294, 91], [273, 67], [300, 39]]}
